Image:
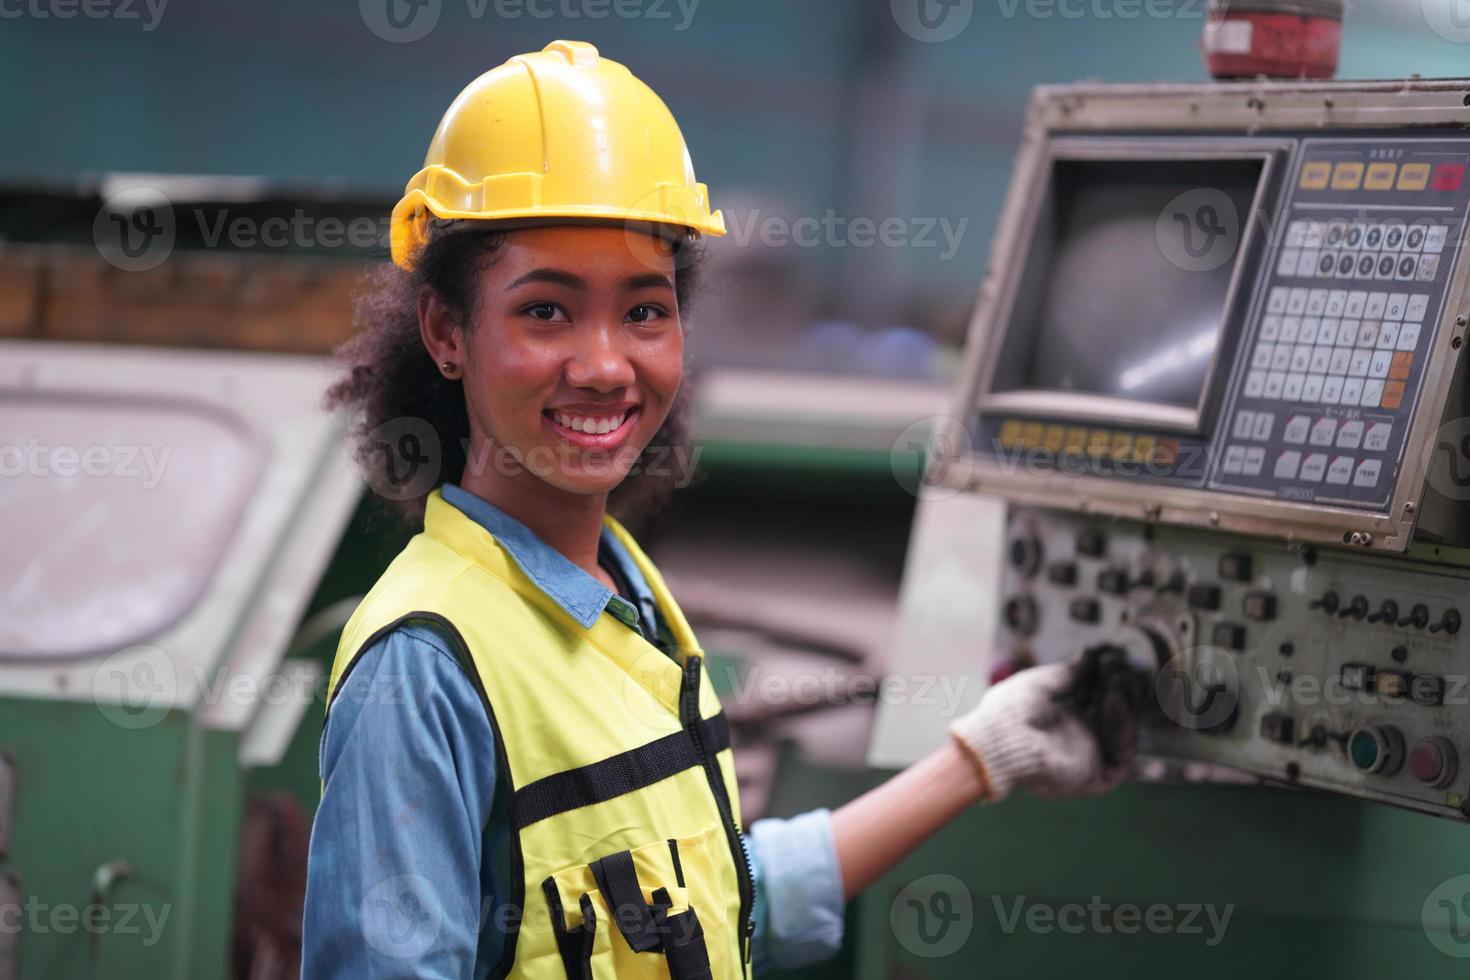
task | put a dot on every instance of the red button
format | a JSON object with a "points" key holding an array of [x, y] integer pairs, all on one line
{"points": [[1448, 177], [1426, 762]]}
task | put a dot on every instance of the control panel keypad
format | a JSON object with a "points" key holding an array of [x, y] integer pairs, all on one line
{"points": [[1349, 299]]}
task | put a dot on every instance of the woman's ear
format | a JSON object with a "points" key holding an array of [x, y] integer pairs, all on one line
{"points": [[442, 333]]}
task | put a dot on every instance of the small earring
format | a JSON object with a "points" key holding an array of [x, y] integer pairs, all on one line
{"points": [[448, 367]]}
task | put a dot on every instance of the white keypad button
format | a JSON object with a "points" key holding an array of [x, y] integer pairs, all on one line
{"points": [[1352, 391], [1358, 368], [1323, 431], [1287, 262], [1347, 265], [1332, 390], [1407, 266], [1296, 430], [1375, 306], [1308, 333], [1314, 467], [1296, 301], [1372, 393], [1414, 237], [1317, 301], [1290, 327], [1255, 458], [1255, 384], [1418, 305], [1388, 335], [1341, 359], [1434, 238], [1355, 302], [1367, 474], [1388, 264], [1296, 234], [1234, 459], [1292, 390], [1275, 380], [1374, 238], [1378, 367], [1270, 327], [1340, 470], [1376, 438], [1301, 357], [1408, 336], [1394, 308], [1312, 388], [1347, 332], [1428, 268], [1368, 333], [1306, 263], [1262, 356], [1393, 235], [1349, 435], [1327, 333], [1321, 358], [1281, 357], [1336, 300], [1261, 426], [1367, 265], [1244, 422], [1286, 465]]}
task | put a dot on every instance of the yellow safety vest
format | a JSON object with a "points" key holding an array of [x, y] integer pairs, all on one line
{"points": [[627, 859]]}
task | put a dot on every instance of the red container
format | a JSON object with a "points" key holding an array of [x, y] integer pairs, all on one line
{"points": [[1275, 38]]}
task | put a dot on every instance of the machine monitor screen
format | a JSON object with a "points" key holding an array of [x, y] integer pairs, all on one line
{"points": [[1127, 282]]}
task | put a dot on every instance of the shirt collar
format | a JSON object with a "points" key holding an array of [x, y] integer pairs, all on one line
{"points": [[581, 595]]}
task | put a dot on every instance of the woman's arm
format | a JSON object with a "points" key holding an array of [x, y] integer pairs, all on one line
{"points": [[1018, 735]]}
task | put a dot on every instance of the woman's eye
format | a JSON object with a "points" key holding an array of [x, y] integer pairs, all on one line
{"points": [[544, 311], [645, 313]]}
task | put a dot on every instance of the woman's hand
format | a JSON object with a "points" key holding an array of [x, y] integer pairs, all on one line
{"points": [[1026, 732]]}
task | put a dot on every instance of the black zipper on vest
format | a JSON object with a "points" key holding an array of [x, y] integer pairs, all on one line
{"points": [[689, 718]]}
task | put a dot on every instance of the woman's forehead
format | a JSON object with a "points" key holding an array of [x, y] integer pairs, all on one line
{"points": [[613, 252]]}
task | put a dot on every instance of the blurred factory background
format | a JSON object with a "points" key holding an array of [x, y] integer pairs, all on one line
{"points": [[860, 158]]}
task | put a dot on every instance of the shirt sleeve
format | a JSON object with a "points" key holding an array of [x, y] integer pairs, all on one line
{"points": [[798, 891], [394, 880]]}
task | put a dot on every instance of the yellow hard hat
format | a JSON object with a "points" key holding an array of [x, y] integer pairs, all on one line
{"points": [[559, 133]]}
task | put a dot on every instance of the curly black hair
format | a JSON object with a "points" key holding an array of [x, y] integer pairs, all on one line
{"points": [[411, 429]]}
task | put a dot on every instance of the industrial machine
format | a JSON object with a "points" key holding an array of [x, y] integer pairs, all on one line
{"points": [[1213, 368]]}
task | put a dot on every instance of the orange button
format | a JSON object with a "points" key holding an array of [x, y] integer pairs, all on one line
{"points": [[1399, 369], [1031, 434], [1144, 448], [1076, 440], [1055, 436], [1380, 176], [1347, 176], [1167, 452], [1413, 176], [1010, 433], [1315, 176], [1393, 394], [1098, 442]]}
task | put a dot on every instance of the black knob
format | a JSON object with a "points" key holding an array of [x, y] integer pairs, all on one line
{"points": [[1026, 555], [1062, 573], [1084, 610], [1328, 603], [1418, 617], [1449, 622], [1113, 581], [1174, 584], [1356, 609], [1092, 543], [1387, 613], [1022, 615]]}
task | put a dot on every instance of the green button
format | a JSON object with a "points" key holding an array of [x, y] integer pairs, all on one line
{"points": [[1364, 750]]}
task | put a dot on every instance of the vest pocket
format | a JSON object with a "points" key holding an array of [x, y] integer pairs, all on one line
{"points": [[636, 913]]}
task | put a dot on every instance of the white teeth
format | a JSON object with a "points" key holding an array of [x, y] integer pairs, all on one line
{"points": [[589, 424]]}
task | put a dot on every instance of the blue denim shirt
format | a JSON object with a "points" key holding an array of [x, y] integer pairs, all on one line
{"points": [[410, 852]]}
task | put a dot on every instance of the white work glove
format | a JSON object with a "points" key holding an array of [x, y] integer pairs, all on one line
{"points": [[1019, 736]]}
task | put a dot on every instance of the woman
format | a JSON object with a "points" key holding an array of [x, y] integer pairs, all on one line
{"points": [[525, 769]]}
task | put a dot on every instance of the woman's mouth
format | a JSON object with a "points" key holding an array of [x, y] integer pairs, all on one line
{"points": [[604, 431]]}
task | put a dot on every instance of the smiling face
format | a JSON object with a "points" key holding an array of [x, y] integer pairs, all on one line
{"points": [[574, 358]]}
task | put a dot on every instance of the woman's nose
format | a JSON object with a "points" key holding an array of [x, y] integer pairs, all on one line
{"points": [[599, 360]]}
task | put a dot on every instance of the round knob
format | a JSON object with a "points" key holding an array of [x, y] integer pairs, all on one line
{"points": [[1026, 555], [1328, 603], [1022, 615], [1433, 761], [1378, 749], [1356, 609]]}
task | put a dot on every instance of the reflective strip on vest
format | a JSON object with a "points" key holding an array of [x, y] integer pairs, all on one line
{"points": [[627, 859]]}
